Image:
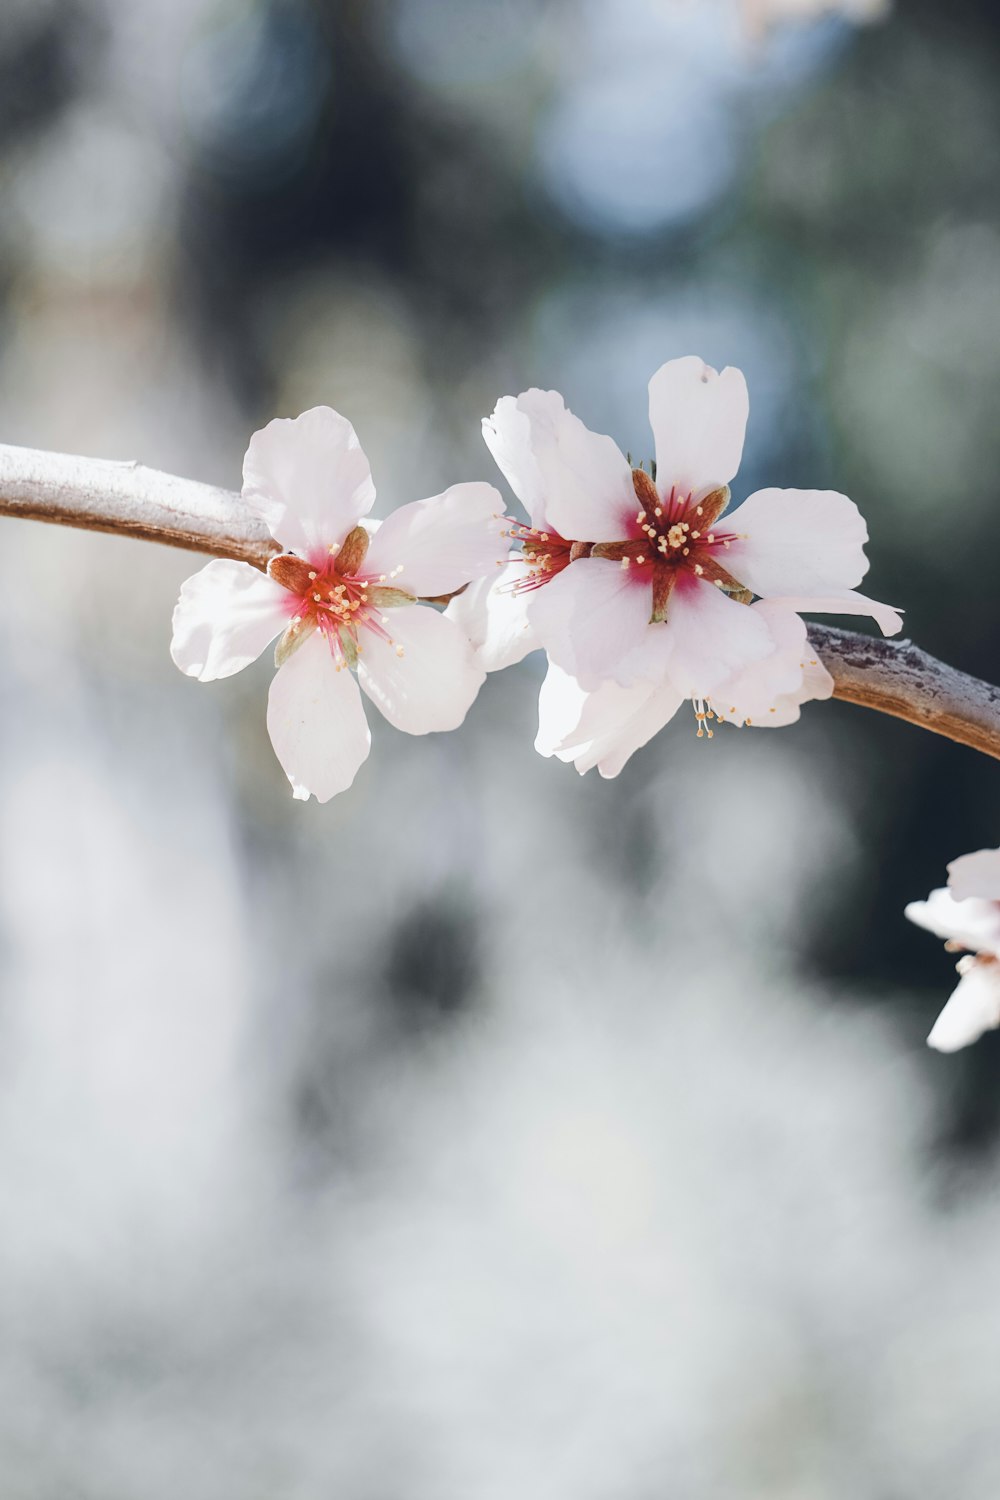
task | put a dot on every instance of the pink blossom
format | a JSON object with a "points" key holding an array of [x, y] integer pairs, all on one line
{"points": [[605, 727], [967, 916], [341, 594], [633, 579]]}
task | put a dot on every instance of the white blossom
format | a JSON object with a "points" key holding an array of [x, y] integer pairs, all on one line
{"points": [[342, 594], [967, 915], [632, 581]]}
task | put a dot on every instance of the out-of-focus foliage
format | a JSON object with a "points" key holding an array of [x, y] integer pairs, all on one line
{"points": [[488, 1132]]}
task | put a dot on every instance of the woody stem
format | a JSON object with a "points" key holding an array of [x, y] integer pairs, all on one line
{"points": [[128, 499]]}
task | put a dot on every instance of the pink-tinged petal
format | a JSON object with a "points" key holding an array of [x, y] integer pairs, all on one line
{"points": [[317, 722], [433, 684], [849, 602], [769, 693], [797, 542], [975, 875], [973, 923], [308, 479], [713, 637], [973, 1009], [493, 614], [569, 479], [603, 728], [699, 421], [590, 617], [225, 616], [441, 543]]}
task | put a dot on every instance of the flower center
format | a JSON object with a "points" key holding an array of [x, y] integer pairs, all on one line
{"points": [[545, 552], [676, 534], [673, 535], [335, 596]]}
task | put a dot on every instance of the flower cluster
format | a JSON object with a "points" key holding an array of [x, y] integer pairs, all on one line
{"points": [[967, 915], [641, 587]]}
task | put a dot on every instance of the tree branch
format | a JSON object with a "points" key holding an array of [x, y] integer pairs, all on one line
{"points": [[897, 678], [894, 678], [99, 494]]}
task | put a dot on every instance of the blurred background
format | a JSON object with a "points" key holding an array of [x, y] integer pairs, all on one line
{"points": [[490, 1132]]}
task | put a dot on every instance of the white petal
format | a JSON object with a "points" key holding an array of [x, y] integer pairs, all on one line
{"points": [[973, 1008], [712, 637], [975, 875], [308, 479], [699, 420], [225, 616], [848, 602], [972, 922], [603, 728], [316, 721], [442, 543], [493, 614], [590, 617], [435, 681], [575, 481], [808, 542], [769, 693]]}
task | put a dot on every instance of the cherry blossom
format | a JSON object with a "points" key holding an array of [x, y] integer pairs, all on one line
{"points": [[344, 592], [632, 578], [967, 915], [604, 728]]}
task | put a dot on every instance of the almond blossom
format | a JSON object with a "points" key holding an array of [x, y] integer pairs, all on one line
{"points": [[343, 593], [632, 578], [604, 728], [967, 915]]}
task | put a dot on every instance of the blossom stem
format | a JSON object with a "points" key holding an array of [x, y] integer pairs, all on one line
{"points": [[895, 678]]}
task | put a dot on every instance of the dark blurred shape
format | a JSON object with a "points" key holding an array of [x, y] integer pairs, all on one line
{"points": [[41, 61], [254, 90], [432, 966]]}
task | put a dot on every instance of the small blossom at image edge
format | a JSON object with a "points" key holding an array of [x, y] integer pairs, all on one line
{"points": [[966, 914]]}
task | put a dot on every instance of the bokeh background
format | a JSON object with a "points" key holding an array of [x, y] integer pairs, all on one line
{"points": [[490, 1132]]}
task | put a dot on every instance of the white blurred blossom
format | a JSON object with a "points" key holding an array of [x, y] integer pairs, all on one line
{"points": [[967, 915]]}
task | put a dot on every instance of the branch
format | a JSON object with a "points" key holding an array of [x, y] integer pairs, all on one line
{"points": [[897, 678], [98, 495]]}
